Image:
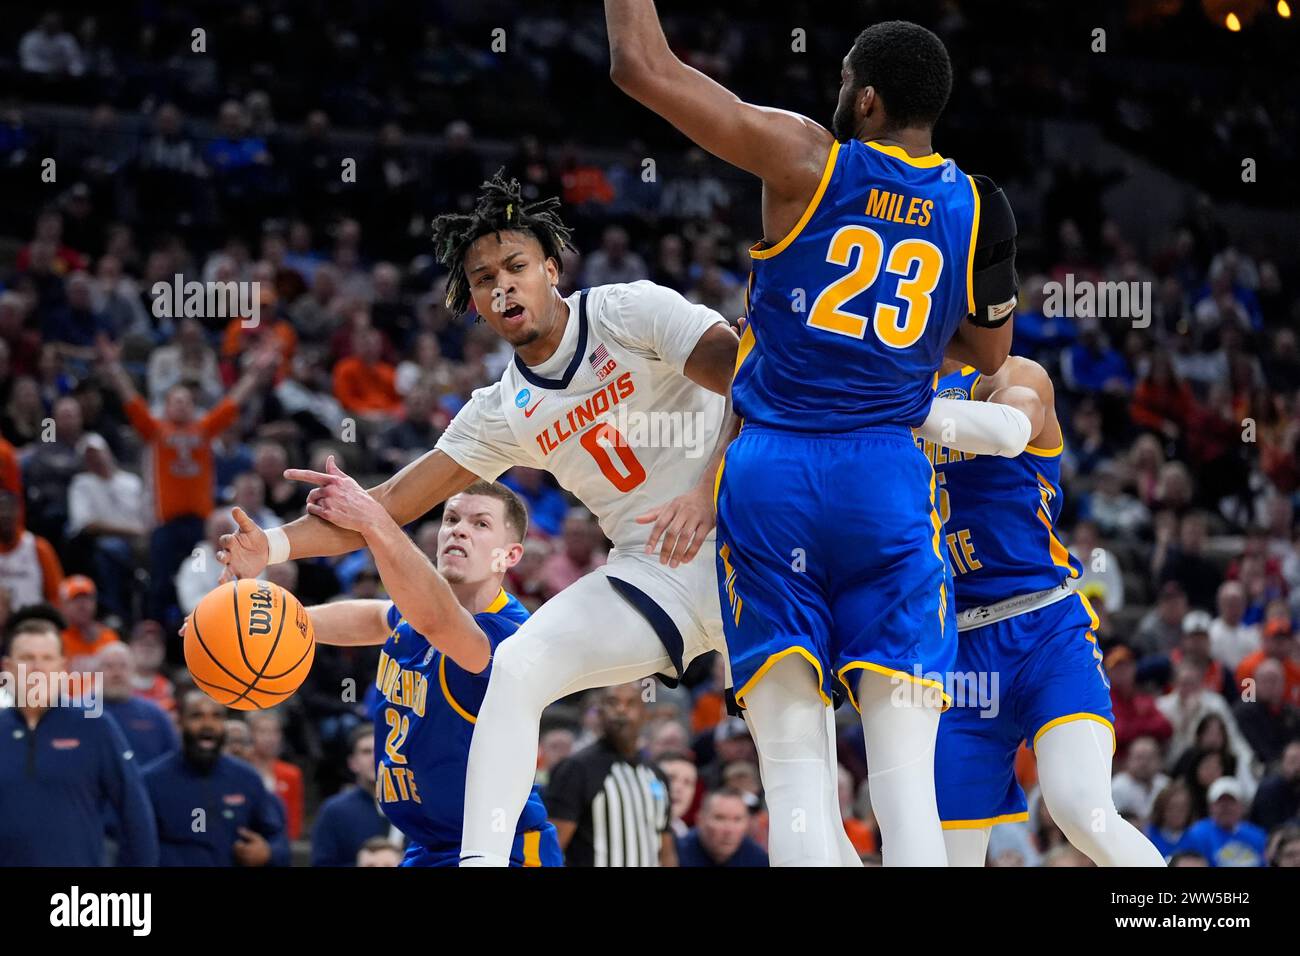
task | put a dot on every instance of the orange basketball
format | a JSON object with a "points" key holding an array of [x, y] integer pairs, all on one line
{"points": [[249, 644]]}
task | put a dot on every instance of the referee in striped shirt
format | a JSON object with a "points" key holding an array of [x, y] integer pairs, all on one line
{"points": [[610, 808]]}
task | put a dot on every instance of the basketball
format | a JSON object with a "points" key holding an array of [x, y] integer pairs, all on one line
{"points": [[249, 644]]}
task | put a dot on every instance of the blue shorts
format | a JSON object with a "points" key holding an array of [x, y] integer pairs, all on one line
{"points": [[829, 547], [540, 847], [1014, 680]]}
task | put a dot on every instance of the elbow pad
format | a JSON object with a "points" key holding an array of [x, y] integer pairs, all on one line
{"points": [[993, 268], [981, 428]]}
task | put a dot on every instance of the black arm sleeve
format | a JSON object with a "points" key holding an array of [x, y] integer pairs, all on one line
{"points": [[994, 278]]}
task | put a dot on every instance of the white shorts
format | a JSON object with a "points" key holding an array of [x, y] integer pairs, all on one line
{"points": [[687, 594], [679, 607]]}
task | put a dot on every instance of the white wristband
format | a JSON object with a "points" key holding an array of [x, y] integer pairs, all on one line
{"points": [[277, 546]]}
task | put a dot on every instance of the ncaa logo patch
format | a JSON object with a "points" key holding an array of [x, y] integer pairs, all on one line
{"points": [[522, 397]]}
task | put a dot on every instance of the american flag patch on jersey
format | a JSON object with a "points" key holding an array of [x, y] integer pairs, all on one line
{"points": [[601, 362]]}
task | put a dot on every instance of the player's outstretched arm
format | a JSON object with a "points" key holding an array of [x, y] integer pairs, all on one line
{"points": [[787, 151], [423, 484], [1010, 410], [350, 623], [424, 596]]}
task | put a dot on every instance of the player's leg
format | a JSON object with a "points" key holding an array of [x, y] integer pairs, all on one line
{"points": [[1074, 773], [967, 847], [900, 722], [846, 851], [774, 613], [975, 754], [787, 719], [1067, 718], [893, 637], [557, 652]]}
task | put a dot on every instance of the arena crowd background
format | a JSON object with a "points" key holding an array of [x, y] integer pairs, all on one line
{"points": [[1167, 156]]}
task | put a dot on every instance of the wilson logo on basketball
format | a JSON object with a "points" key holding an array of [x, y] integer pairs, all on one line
{"points": [[259, 614]]}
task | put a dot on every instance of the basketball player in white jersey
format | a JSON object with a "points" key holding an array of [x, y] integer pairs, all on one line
{"points": [[638, 357]]}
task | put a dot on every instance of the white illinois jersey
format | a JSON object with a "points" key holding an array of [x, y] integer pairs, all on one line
{"points": [[611, 414]]}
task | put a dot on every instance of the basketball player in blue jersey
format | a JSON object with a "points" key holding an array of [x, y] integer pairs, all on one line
{"points": [[439, 634], [880, 255], [1018, 621]]}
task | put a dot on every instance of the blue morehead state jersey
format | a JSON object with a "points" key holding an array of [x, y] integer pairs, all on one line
{"points": [[999, 515], [423, 723], [850, 313]]}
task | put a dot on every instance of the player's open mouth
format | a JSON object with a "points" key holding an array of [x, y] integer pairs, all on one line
{"points": [[456, 550], [514, 312]]}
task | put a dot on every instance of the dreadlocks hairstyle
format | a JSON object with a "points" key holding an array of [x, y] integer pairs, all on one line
{"points": [[500, 207]]}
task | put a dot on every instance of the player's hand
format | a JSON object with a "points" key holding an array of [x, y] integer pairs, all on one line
{"points": [[338, 499], [683, 524], [251, 848], [244, 553]]}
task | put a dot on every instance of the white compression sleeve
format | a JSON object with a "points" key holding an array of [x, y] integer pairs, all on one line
{"points": [[967, 847], [900, 731], [787, 720], [1074, 774], [554, 654], [982, 428]]}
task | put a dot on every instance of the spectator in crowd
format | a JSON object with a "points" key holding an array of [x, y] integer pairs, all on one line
{"points": [[719, 838], [350, 818], [84, 637], [181, 479], [239, 742], [281, 777], [1277, 801], [248, 830], [1171, 815], [1268, 720], [1225, 837], [580, 553], [1100, 566], [50, 50], [1111, 508], [200, 571], [683, 782], [69, 789], [861, 833], [1284, 847], [1184, 561], [1231, 640], [547, 505], [379, 852], [1161, 628], [364, 383], [554, 745], [595, 828], [1278, 645], [29, 568], [1136, 787], [50, 468], [1136, 714], [187, 360], [147, 727], [148, 652], [105, 516], [1188, 704], [614, 261], [248, 492], [1213, 753]]}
